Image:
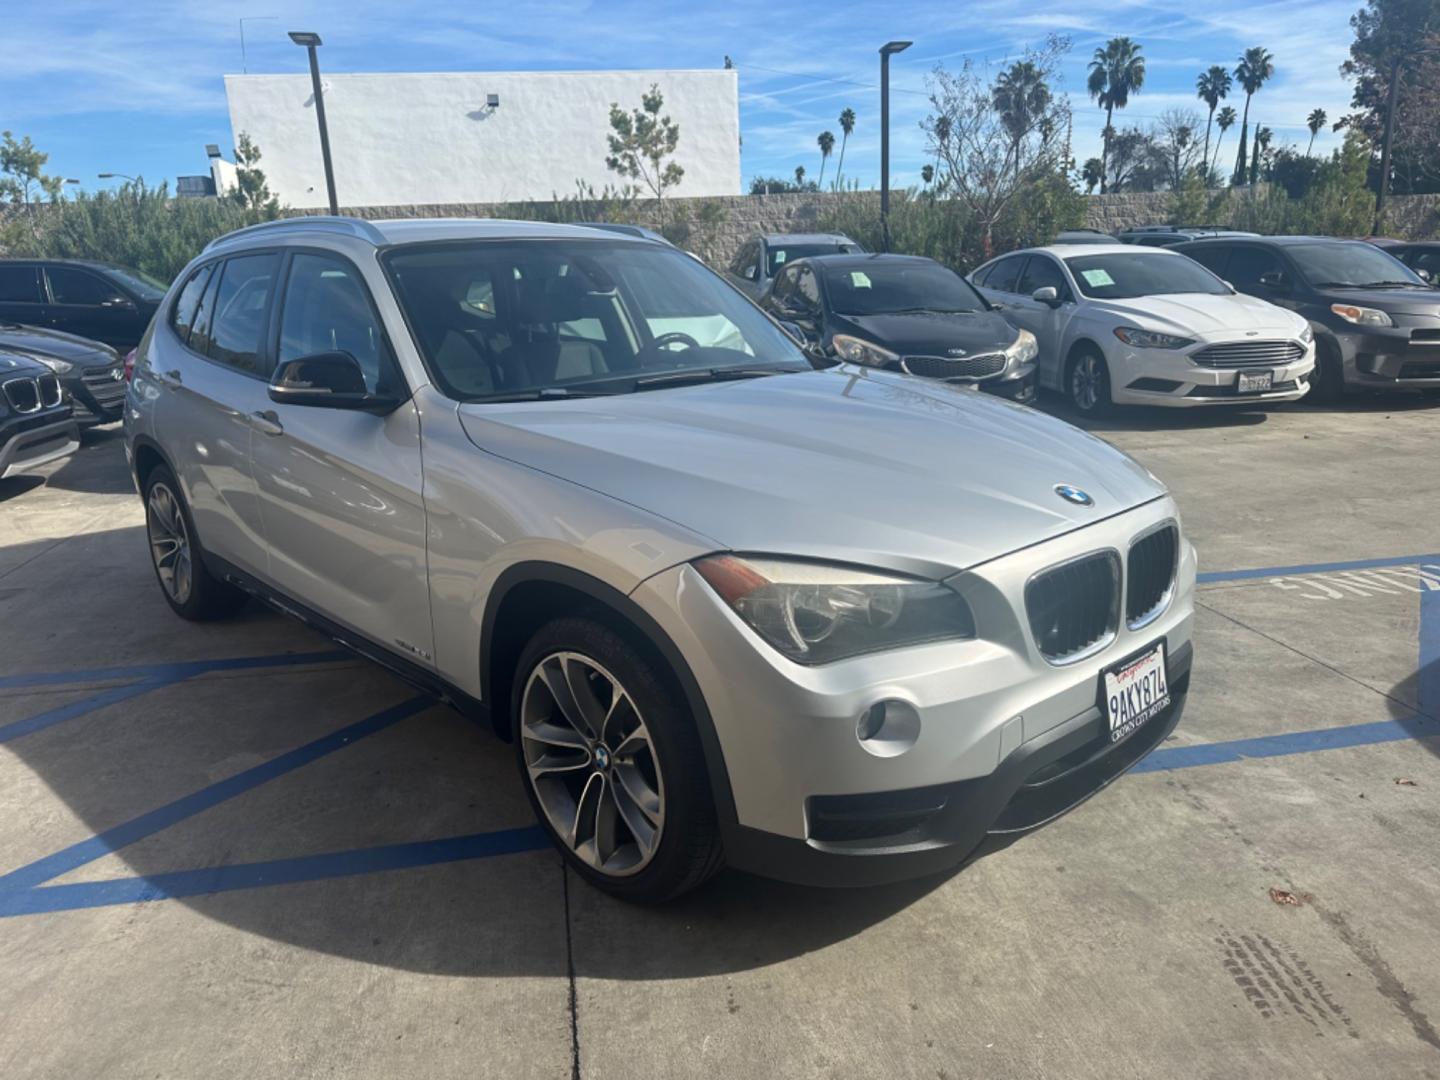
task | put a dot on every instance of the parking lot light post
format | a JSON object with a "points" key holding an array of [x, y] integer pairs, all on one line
{"points": [[311, 41], [886, 51]]}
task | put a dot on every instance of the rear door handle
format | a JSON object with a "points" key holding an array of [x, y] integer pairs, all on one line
{"points": [[174, 375], [267, 422]]}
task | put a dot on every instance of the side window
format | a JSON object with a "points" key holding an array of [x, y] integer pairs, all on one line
{"points": [[1041, 272], [187, 304], [1211, 256], [784, 287], [807, 289], [1248, 263], [241, 303], [1427, 260], [69, 285], [328, 310], [19, 284], [744, 260], [751, 269], [1004, 274]]}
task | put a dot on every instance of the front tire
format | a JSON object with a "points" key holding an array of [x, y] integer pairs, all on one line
{"points": [[188, 586], [611, 761], [1087, 384], [1327, 381]]}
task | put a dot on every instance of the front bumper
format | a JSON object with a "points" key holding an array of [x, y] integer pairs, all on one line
{"points": [[98, 393], [1169, 377], [1390, 359], [786, 733], [28, 443], [1018, 388]]}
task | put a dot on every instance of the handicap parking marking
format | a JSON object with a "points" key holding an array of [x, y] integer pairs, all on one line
{"points": [[24, 891]]}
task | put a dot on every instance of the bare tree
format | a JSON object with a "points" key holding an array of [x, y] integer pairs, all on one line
{"points": [[1174, 137], [986, 156]]}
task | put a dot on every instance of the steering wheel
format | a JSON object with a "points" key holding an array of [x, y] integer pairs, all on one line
{"points": [[662, 343]]}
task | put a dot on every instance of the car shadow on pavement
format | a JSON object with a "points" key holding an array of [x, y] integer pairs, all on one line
{"points": [[1415, 705], [97, 467]]}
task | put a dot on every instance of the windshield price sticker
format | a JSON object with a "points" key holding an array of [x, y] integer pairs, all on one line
{"points": [[859, 279], [1098, 278]]}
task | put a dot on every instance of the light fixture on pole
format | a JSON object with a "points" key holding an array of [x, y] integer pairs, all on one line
{"points": [[115, 175], [886, 51], [311, 41]]}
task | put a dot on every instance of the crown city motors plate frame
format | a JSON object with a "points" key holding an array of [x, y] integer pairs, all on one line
{"points": [[1134, 691]]}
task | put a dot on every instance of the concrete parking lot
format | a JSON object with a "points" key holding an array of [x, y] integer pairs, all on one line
{"points": [[231, 851]]}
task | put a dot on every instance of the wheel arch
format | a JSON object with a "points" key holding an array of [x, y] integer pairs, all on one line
{"points": [[527, 595], [146, 456]]}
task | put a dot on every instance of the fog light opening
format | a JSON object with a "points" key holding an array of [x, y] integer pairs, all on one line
{"points": [[888, 728]]}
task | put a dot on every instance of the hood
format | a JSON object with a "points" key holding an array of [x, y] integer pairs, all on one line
{"points": [[931, 333], [1192, 314], [850, 465], [1393, 301], [56, 343]]}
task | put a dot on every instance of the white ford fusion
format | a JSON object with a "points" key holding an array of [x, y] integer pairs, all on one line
{"points": [[1120, 326]]}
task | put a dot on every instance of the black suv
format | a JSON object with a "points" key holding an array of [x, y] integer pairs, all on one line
{"points": [[35, 421], [1376, 322], [95, 300], [92, 374]]}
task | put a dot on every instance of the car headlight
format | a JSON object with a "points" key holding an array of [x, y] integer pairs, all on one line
{"points": [[858, 351], [54, 363], [1362, 316], [1024, 348], [1150, 339], [1308, 334], [814, 613]]}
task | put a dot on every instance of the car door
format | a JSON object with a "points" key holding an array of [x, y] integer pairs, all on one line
{"points": [[1047, 321], [21, 297], [999, 281], [211, 362], [340, 490], [83, 302]]}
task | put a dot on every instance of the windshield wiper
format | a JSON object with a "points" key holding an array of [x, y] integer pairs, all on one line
{"points": [[928, 311], [704, 375], [543, 393], [1394, 285]]}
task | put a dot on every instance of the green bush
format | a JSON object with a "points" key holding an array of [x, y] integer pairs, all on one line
{"points": [[134, 226], [943, 229]]}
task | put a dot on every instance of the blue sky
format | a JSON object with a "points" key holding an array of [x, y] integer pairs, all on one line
{"points": [[136, 87]]}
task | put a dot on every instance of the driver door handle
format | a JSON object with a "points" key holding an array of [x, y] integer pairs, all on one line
{"points": [[266, 421]]}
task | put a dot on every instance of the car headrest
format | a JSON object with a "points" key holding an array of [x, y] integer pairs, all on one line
{"points": [[551, 300]]}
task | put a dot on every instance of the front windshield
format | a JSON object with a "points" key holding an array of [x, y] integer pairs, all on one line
{"points": [[535, 318], [1334, 264], [880, 287], [1123, 276], [780, 254]]}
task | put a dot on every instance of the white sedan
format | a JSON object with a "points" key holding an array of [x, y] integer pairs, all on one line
{"points": [[1117, 325]]}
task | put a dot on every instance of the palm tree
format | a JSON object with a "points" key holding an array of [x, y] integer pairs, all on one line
{"points": [[1212, 87], [1263, 135], [1256, 65], [1091, 174], [847, 125], [1116, 72], [1315, 121], [826, 142], [800, 177], [1224, 120], [927, 173], [1020, 96]]}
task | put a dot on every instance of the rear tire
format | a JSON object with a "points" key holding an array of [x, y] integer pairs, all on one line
{"points": [[1087, 383], [188, 586], [611, 761]]}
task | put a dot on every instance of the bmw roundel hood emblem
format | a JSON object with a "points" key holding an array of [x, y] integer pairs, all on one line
{"points": [[1074, 495]]}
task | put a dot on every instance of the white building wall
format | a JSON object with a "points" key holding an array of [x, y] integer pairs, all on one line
{"points": [[430, 138]]}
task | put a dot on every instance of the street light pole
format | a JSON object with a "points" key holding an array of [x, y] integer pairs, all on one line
{"points": [[311, 41], [886, 51], [112, 176]]}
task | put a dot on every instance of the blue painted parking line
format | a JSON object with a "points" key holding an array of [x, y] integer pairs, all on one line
{"points": [[1211, 576], [1288, 744], [180, 669], [178, 884], [61, 713], [172, 813]]}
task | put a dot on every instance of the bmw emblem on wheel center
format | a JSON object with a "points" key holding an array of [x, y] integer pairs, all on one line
{"points": [[1074, 495]]}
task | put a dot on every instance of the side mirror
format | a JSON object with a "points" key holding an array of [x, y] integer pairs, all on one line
{"points": [[1047, 294], [1273, 279], [328, 380], [1425, 275]]}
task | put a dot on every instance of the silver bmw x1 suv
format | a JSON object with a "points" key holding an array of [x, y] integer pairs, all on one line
{"points": [[836, 626]]}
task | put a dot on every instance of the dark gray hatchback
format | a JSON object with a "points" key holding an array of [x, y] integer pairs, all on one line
{"points": [[1376, 322]]}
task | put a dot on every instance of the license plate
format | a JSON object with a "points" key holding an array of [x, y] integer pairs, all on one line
{"points": [[1135, 692], [1254, 382]]}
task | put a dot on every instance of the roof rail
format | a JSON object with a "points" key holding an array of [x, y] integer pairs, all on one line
{"points": [[350, 226]]}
